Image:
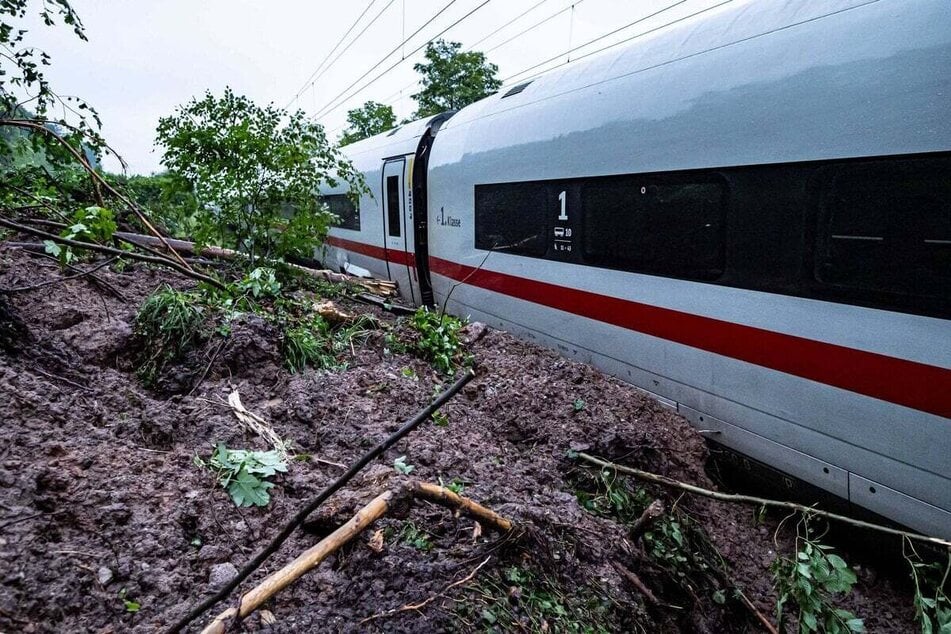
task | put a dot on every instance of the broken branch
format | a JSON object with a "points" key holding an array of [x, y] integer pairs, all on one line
{"points": [[748, 499], [92, 246], [301, 516], [313, 556]]}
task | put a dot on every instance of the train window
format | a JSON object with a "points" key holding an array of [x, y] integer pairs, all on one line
{"points": [[393, 205], [886, 226], [666, 225], [342, 206], [511, 218]]}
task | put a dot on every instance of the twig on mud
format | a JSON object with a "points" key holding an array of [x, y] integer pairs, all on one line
{"points": [[20, 289], [255, 423], [749, 499], [204, 374], [328, 462], [301, 516], [377, 508], [651, 514], [769, 627], [422, 604], [29, 517], [56, 377], [642, 588]]}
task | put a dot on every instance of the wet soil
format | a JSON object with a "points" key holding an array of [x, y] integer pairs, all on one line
{"points": [[101, 503]]}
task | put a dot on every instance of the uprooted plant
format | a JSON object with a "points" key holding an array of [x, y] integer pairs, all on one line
{"points": [[931, 581], [673, 541], [169, 322], [244, 473], [437, 339], [314, 333], [811, 579]]}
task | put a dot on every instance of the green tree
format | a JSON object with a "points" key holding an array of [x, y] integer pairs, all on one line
{"points": [[370, 119], [256, 170], [452, 79]]}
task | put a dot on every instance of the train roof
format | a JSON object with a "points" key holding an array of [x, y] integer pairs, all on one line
{"points": [[399, 141], [764, 81]]}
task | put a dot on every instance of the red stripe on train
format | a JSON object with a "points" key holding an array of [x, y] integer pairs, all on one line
{"points": [[916, 385], [397, 257]]}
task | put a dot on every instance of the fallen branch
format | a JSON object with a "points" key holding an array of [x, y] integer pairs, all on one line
{"points": [[38, 248], [769, 627], [445, 497], [641, 587], [98, 248], [301, 516], [748, 499], [312, 557], [96, 178], [383, 287], [32, 287], [422, 604], [396, 309]]}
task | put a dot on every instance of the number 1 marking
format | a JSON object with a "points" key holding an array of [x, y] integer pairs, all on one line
{"points": [[564, 209]]}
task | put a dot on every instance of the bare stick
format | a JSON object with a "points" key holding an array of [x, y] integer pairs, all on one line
{"points": [[56, 377], [20, 289], [313, 556], [92, 246], [637, 583], [422, 604], [335, 486], [445, 497], [39, 249], [307, 560], [759, 615], [748, 499]]}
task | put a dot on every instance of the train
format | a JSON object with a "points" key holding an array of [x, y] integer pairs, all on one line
{"points": [[746, 215]]}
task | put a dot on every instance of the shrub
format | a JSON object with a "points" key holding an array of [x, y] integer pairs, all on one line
{"points": [[168, 324], [438, 340]]}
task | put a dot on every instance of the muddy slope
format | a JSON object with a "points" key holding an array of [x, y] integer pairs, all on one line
{"points": [[101, 504]]}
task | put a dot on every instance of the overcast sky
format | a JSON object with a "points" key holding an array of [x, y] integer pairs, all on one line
{"points": [[145, 57]]}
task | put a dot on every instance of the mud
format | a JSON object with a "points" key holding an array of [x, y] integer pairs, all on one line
{"points": [[100, 501]]}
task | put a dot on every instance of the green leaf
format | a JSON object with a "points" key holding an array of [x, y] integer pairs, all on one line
{"points": [[856, 625], [400, 465], [809, 620], [247, 490], [52, 248], [837, 562]]}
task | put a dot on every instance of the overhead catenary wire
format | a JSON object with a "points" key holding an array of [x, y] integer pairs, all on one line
{"points": [[336, 102], [597, 39], [610, 46], [397, 96], [399, 47], [534, 26], [307, 82], [351, 43], [507, 23], [472, 46]]}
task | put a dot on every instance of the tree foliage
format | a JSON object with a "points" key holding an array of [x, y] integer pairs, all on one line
{"points": [[255, 169], [453, 79], [370, 119]]}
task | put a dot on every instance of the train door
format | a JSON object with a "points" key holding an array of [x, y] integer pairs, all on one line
{"points": [[398, 227]]}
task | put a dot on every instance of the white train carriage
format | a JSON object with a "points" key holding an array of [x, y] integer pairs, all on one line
{"points": [[748, 216]]}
